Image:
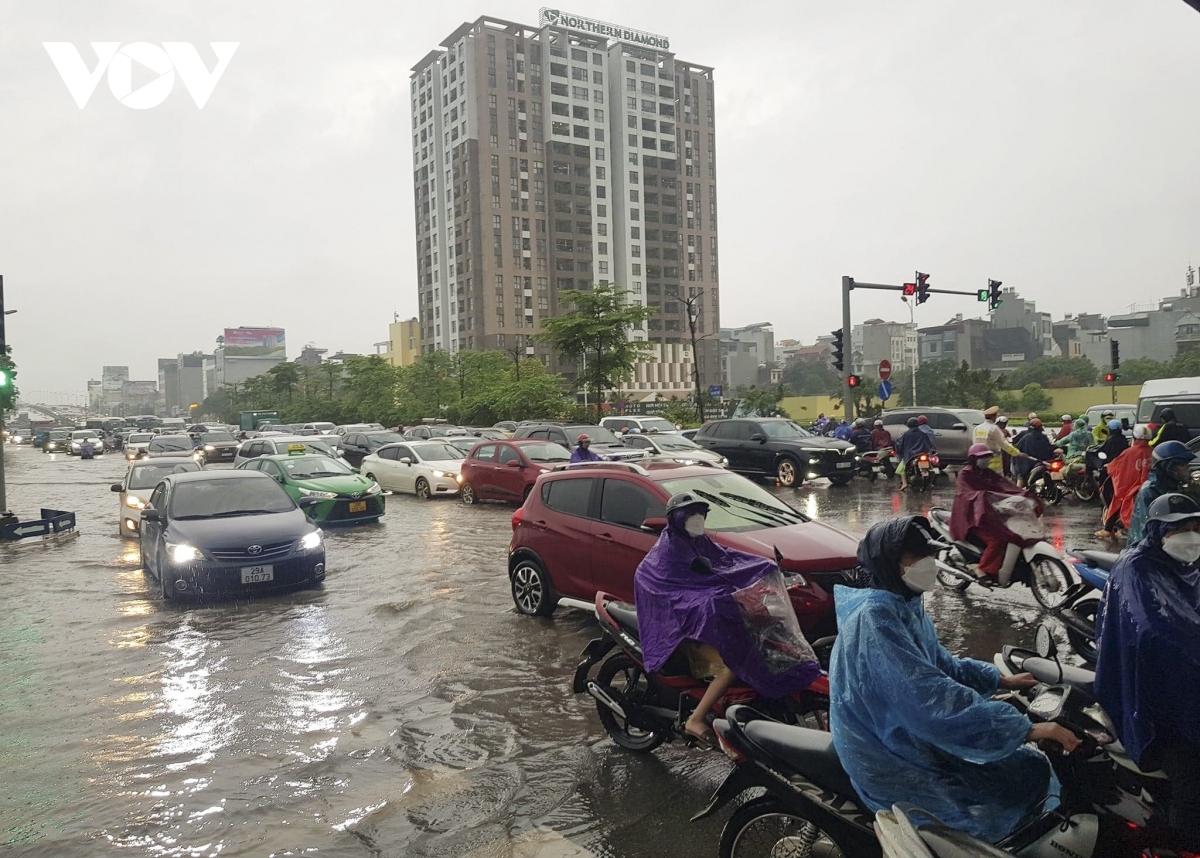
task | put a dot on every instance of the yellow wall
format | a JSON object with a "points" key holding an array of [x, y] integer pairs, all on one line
{"points": [[405, 342], [1073, 400]]}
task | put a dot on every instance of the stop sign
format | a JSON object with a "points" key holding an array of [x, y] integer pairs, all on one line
{"points": [[885, 370]]}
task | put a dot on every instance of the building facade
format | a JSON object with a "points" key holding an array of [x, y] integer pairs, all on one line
{"points": [[958, 340], [403, 343], [747, 356], [564, 156], [876, 340]]}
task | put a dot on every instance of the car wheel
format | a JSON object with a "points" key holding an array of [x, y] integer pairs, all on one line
{"points": [[531, 590], [422, 489], [787, 473], [467, 493]]}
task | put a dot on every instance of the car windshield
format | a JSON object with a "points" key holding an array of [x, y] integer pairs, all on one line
{"points": [[466, 444], [149, 475], [675, 442], [438, 452], [59, 436], [140, 438], [735, 503], [171, 444], [598, 434], [210, 437], [82, 435], [546, 453], [970, 415], [249, 495], [1187, 413], [378, 439], [315, 467], [322, 427], [784, 430], [658, 423]]}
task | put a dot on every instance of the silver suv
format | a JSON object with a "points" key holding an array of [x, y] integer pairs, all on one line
{"points": [[642, 424], [953, 428]]}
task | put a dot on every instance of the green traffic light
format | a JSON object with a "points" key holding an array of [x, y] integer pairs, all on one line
{"points": [[3, 378], [983, 294]]}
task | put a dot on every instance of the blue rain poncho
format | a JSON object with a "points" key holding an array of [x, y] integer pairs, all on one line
{"points": [[1148, 637], [1159, 483], [912, 723]]}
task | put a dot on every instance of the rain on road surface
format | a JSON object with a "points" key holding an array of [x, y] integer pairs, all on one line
{"points": [[404, 709]]}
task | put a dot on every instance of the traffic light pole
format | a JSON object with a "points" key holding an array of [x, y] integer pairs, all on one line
{"points": [[3, 351], [847, 349]]}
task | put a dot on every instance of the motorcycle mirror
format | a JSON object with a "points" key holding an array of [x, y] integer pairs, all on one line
{"points": [[702, 566], [1044, 642], [1102, 456]]}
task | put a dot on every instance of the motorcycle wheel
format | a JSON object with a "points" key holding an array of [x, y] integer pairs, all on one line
{"points": [[1048, 491], [624, 675], [1049, 580], [1085, 490], [952, 582], [764, 828], [1084, 646]]}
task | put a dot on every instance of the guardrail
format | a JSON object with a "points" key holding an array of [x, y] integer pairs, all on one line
{"points": [[53, 522]]}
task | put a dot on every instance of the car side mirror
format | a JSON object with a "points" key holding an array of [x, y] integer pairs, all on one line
{"points": [[654, 525], [406, 461], [960, 427], [515, 463], [151, 514], [117, 487], [759, 437]]}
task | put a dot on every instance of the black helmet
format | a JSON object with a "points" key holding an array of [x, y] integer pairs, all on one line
{"points": [[1172, 508], [912, 423], [1167, 415], [682, 500]]}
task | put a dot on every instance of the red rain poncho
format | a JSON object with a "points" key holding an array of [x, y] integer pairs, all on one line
{"points": [[977, 492], [1128, 471]]}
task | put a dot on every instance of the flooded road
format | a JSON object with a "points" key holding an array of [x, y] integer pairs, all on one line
{"points": [[404, 709]]}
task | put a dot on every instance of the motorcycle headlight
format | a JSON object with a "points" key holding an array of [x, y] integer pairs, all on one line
{"points": [[183, 553], [311, 541], [375, 489], [134, 502], [312, 493]]}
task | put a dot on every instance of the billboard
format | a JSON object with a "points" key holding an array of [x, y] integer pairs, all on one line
{"points": [[114, 373], [141, 388], [255, 342]]}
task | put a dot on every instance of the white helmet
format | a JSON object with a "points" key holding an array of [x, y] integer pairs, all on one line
{"points": [[1141, 433], [1066, 418]]}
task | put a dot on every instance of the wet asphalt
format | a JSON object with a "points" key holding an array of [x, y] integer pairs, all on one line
{"points": [[403, 709]]}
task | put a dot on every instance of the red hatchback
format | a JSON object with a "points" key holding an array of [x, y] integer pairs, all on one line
{"points": [[507, 470], [586, 528]]}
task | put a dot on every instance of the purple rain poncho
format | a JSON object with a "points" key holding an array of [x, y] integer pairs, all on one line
{"points": [[675, 604]]}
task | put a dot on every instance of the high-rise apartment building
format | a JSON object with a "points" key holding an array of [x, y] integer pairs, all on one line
{"points": [[565, 156]]}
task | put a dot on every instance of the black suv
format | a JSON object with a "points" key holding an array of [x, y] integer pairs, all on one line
{"points": [[605, 444], [779, 448]]}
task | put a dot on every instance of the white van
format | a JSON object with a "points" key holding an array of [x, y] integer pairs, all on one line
{"points": [[173, 425], [1159, 390]]}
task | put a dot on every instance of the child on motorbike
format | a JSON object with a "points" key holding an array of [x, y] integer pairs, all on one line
{"points": [[1148, 665], [978, 489], [912, 723], [678, 606]]}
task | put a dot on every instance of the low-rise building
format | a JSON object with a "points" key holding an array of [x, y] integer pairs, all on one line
{"points": [[403, 344]]}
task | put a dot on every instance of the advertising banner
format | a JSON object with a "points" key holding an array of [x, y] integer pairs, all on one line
{"points": [[141, 388], [255, 342]]}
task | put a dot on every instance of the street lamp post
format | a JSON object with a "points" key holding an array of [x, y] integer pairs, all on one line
{"points": [[692, 303], [5, 385]]}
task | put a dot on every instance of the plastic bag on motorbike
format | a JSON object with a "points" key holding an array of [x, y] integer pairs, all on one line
{"points": [[1019, 513], [768, 616]]}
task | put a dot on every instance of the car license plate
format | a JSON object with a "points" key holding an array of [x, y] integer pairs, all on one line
{"points": [[257, 574], [358, 506], [878, 469], [1056, 475], [845, 464]]}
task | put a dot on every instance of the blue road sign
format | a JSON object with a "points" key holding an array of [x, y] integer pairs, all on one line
{"points": [[715, 390], [885, 391]]}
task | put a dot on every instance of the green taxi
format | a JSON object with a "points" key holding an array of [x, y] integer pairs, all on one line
{"points": [[343, 495]]}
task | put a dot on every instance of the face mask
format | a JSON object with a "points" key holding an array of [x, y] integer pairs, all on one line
{"points": [[694, 525], [921, 577], [1184, 547]]}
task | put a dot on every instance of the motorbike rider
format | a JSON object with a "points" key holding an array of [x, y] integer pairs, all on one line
{"points": [[1126, 474], [1171, 429], [1034, 444], [913, 723], [842, 432], [881, 439], [1170, 472], [974, 514], [583, 452], [860, 436], [680, 607], [1078, 441], [1068, 426], [912, 443], [1148, 664], [822, 422], [1101, 430], [995, 438]]}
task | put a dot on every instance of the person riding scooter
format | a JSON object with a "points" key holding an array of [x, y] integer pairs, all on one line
{"points": [[913, 723], [1033, 443], [979, 489], [912, 443], [1170, 472], [1148, 664], [1126, 474], [1078, 441], [680, 607]]}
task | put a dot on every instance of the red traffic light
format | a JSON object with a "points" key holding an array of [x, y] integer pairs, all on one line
{"points": [[854, 381], [910, 289], [1110, 377]]}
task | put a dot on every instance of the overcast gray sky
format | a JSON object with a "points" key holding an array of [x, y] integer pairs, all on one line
{"points": [[1051, 145]]}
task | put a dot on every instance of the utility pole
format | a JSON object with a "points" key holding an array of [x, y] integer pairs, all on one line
{"points": [[5, 385], [692, 302], [848, 348]]}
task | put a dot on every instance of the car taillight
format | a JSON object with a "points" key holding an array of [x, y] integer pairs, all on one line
{"points": [[516, 519]]}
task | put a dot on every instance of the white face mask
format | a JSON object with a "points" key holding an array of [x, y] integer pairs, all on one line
{"points": [[1184, 546], [921, 577], [694, 525]]}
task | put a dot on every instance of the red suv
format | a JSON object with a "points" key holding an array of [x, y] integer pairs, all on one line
{"points": [[507, 470], [585, 528]]}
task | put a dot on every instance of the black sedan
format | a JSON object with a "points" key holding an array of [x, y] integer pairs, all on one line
{"points": [[779, 448], [217, 445], [228, 532], [357, 445]]}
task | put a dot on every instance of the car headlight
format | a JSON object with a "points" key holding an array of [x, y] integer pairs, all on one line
{"points": [[49, 445], [310, 541], [724, 462], [312, 493], [686, 461], [183, 553], [208, 448], [815, 460], [74, 443], [134, 502], [458, 478], [440, 474], [375, 489]]}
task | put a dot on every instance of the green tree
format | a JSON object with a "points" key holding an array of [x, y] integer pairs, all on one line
{"points": [[811, 378], [1034, 398], [680, 412], [1054, 372], [933, 384], [1185, 365], [595, 332], [8, 391], [972, 388], [762, 402], [284, 378], [1140, 370]]}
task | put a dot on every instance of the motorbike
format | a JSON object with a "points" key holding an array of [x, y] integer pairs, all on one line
{"points": [[1078, 609], [640, 710], [1045, 481], [1041, 567], [922, 471], [1079, 476], [874, 464]]}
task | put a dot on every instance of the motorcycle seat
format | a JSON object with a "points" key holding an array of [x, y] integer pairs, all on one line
{"points": [[1100, 559], [626, 616], [942, 516], [949, 843], [971, 552], [809, 753], [1046, 670]]}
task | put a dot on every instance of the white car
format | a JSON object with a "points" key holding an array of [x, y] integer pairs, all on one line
{"points": [[321, 428], [277, 445], [140, 481], [674, 448], [137, 444], [85, 436], [424, 468]]}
